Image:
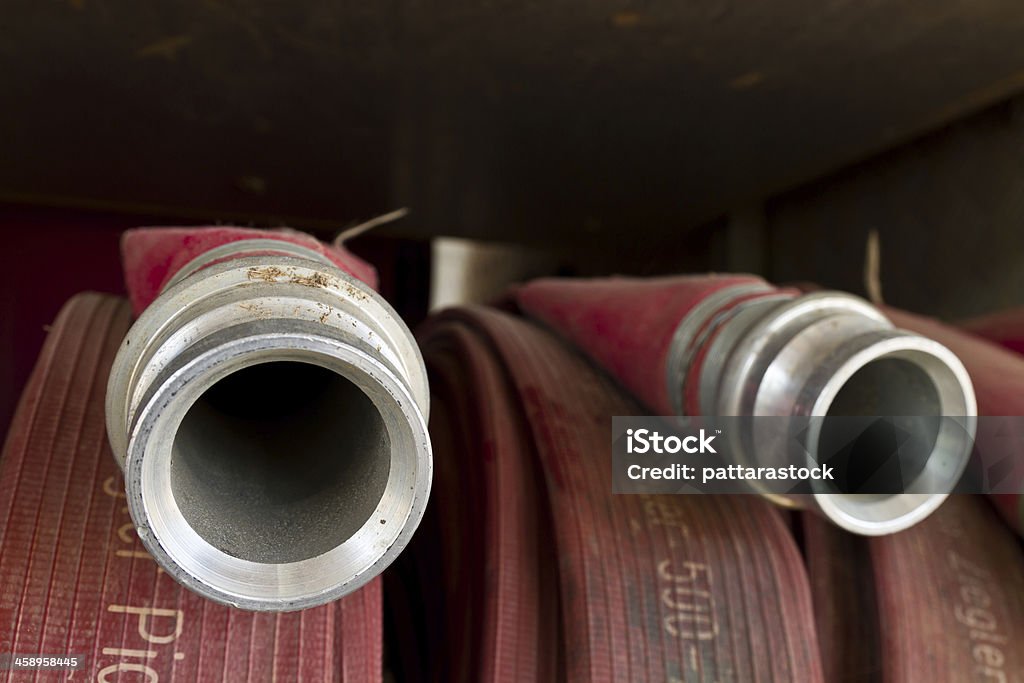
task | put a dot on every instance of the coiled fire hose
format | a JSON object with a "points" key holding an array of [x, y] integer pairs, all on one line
{"points": [[75, 579], [1002, 377], [268, 409], [941, 602], [998, 378], [736, 346], [647, 588], [1005, 328]]}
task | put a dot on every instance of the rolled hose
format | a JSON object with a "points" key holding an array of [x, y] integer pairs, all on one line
{"points": [[998, 378], [941, 602], [268, 410], [735, 346], [483, 556], [74, 578], [647, 588], [1005, 328]]}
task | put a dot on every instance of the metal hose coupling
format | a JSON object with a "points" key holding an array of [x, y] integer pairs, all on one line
{"points": [[735, 346], [269, 413], [759, 351]]}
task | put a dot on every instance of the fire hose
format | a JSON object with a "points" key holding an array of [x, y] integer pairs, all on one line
{"points": [[1002, 376], [941, 602], [734, 346], [253, 345], [996, 374], [268, 410], [1005, 328], [75, 578], [998, 377], [647, 588]]}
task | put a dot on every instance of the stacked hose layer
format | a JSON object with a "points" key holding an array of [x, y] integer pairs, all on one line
{"points": [[74, 578], [648, 588], [735, 346], [1001, 377], [268, 411], [941, 602], [1005, 328], [998, 377]]}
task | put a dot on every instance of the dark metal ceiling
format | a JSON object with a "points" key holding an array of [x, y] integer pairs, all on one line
{"points": [[531, 121]]}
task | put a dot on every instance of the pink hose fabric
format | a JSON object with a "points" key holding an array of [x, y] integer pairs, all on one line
{"points": [[151, 256]]}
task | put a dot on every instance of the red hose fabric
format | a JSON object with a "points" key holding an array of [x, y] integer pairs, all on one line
{"points": [[74, 578], [998, 377], [151, 256], [486, 531], [845, 610], [946, 598], [625, 324], [649, 588], [1005, 328]]}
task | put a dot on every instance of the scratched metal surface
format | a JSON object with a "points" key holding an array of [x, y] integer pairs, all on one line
{"points": [[520, 120]]}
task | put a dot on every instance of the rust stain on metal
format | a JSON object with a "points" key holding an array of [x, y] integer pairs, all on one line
{"points": [[275, 274], [255, 309], [355, 293]]}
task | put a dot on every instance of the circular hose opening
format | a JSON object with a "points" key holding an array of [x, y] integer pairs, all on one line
{"points": [[882, 427], [280, 462], [889, 434]]}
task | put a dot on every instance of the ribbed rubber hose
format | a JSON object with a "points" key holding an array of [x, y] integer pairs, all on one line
{"points": [[649, 588], [942, 602], [74, 578]]}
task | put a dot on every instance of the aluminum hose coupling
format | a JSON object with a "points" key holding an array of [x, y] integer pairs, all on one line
{"points": [[269, 412], [734, 345]]}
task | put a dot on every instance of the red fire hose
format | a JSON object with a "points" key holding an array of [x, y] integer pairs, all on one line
{"points": [[941, 602], [74, 578], [733, 345], [648, 588], [998, 377], [1005, 328], [486, 533]]}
